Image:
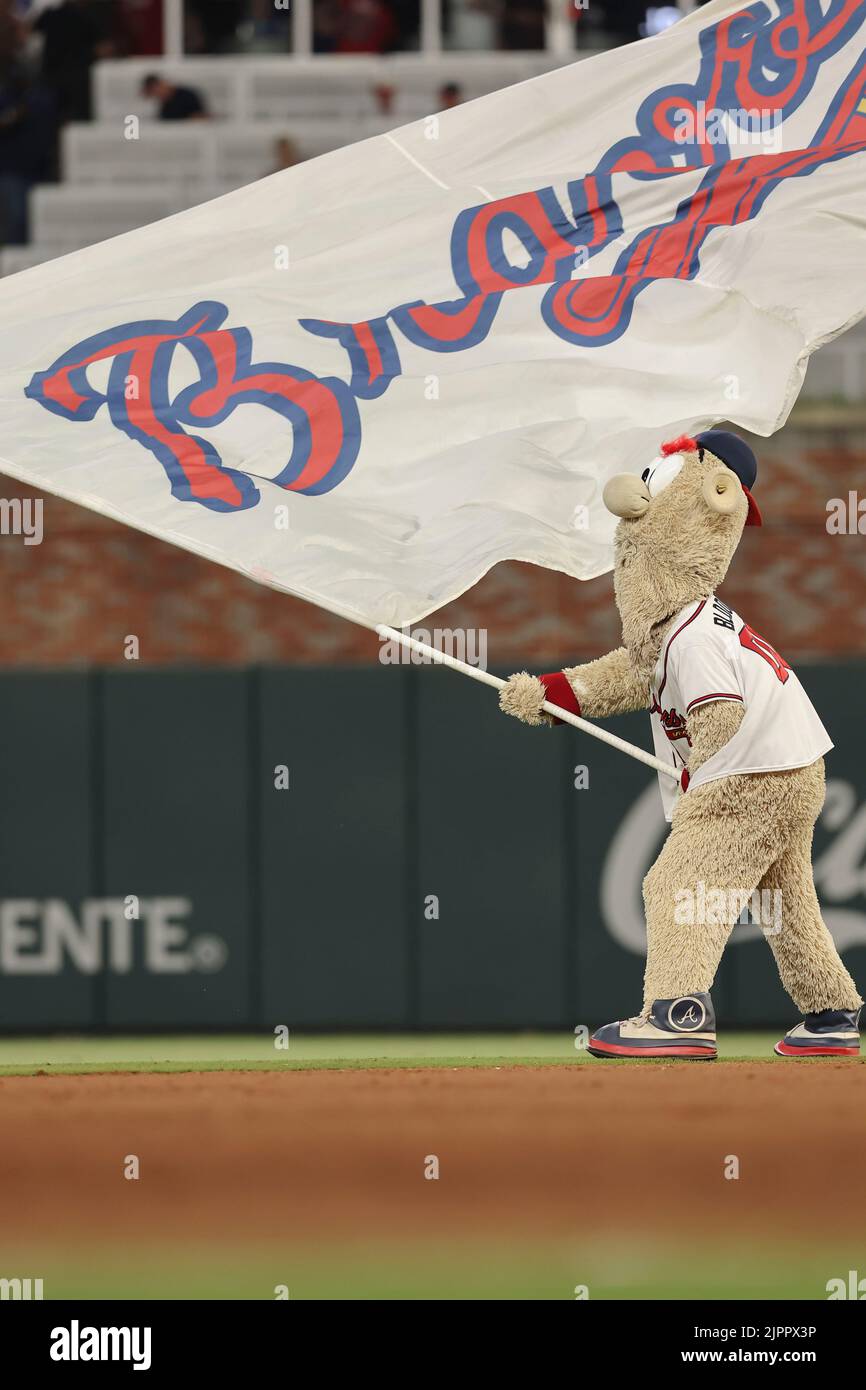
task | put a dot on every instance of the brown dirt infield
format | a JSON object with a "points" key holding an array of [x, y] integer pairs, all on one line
{"points": [[533, 1151]]}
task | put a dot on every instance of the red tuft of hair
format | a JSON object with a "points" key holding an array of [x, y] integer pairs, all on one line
{"points": [[684, 445]]}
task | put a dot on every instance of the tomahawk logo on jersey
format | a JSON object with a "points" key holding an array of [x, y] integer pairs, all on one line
{"points": [[712, 654]]}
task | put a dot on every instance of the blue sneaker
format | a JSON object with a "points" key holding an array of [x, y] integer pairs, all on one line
{"points": [[830, 1033], [684, 1027]]}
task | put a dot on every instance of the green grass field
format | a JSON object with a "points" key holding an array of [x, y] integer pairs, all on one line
{"points": [[70, 1055], [616, 1269]]}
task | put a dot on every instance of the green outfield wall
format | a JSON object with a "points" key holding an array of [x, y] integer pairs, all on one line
{"points": [[366, 848]]}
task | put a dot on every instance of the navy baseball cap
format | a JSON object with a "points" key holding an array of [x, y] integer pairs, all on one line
{"points": [[736, 454]]}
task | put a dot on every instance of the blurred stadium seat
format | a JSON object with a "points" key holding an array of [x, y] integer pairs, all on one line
{"points": [[74, 217], [223, 156], [267, 89]]}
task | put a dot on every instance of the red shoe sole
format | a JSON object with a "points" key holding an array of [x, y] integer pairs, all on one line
{"points": [[703, 1054], [783, 1051]]}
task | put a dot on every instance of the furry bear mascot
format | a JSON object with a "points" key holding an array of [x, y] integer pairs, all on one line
{"points": [[730, 712]]}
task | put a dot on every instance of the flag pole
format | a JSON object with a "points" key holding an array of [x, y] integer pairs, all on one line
{"points": [[443, 659]]}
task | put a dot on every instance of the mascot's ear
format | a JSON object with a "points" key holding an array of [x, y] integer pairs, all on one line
{"points": [[721, 491]]}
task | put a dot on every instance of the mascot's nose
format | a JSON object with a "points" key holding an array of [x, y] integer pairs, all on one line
{"points": [[626, 496]]}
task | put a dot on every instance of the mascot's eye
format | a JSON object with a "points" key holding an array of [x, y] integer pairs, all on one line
{"points": [[662, 472], [644, 475]]}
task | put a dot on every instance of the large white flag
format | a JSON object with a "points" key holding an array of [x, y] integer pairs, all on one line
{"points": [[370, 378]]}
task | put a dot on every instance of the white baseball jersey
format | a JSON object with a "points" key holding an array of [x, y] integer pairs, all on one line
{"points": [[711, 654]]}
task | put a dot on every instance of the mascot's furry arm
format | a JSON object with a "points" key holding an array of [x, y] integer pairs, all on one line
{"points": [[610, 685], [710, 727]]}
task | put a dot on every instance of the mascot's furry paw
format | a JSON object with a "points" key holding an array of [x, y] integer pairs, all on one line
{"points": [[523, 695]]}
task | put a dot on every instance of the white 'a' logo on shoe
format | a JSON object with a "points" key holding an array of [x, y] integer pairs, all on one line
{"points": [[694, 1017]]}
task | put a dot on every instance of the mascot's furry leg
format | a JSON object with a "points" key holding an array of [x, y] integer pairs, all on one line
{"points": [[806, 955], [728, 838]]}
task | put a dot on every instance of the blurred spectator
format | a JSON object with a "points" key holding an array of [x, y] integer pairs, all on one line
{"points": [[175, 103], [326, 25], [450, 94], [27, 144], [287, 154], [521, 24], [73, 38], [624, 19], [13, 36], [211, 26], [365, 26], [407, 23], [383, 95], [265, 29], [140, 26]]}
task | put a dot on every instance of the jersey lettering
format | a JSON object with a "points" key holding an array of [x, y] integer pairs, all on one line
{"points": [[671, 721]]}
